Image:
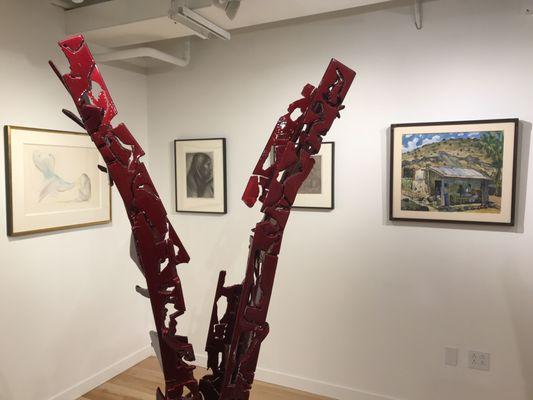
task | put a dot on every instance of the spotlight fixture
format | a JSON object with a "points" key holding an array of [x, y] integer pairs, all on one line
{"points": [[200, 25], [230, 6]]}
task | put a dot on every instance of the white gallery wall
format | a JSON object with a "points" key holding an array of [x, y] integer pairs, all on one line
{"points": [[363, 308], [69, 314]]}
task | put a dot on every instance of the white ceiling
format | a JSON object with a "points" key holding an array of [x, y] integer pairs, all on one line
{"points": [[130, 22]]}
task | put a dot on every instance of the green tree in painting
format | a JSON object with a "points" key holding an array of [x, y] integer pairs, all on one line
{"points": [[493, 144]]}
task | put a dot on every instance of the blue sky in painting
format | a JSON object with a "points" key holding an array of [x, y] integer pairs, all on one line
{"points": [[412, 142]]}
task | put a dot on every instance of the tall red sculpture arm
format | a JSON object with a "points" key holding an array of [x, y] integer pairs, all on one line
{"points": [[234, 340], [158, 247]]}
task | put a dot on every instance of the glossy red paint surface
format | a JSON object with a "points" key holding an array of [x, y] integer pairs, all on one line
{"points": [[158, 247], [234, 340]]}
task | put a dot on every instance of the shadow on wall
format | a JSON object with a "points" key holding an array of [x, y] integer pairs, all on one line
{"points": [[522, 164], [520, 303], [517, 279], [60, 232]]}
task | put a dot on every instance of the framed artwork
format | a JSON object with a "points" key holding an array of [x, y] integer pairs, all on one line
{"points": [[53, 181], [317, 191], [200, 167], [454, 171]]}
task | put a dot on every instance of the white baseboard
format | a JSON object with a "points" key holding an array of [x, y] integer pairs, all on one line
{"points": [[86, 385], [279, 378], [309, 385]]}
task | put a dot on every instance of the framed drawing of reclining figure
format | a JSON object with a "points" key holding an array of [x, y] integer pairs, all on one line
{"points": [[53, 181]]}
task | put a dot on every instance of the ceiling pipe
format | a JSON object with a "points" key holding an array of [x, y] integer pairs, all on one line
{"points": [[148, 52]]}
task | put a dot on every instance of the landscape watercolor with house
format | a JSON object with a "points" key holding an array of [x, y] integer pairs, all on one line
{"points": [[452, 172]]}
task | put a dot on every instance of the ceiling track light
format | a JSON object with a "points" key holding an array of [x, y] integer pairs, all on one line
{"points": [[229, 6], [201, 26]]}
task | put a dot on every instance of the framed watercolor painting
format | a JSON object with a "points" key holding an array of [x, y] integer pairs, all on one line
{"points": [[200, 174], [53, 181], [317, 191], [454, 171]]}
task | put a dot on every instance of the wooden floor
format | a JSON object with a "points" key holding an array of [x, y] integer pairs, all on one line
{"points": [[141, 381]]}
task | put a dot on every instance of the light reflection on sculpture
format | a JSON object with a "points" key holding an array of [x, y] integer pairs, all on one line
{"points": [[234, 340], [158, 247]]}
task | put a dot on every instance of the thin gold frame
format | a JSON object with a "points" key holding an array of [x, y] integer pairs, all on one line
{"points": [[9, 192]]}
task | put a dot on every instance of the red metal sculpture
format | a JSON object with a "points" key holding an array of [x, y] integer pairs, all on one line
{"points": [[234, 340], [158, 247]]}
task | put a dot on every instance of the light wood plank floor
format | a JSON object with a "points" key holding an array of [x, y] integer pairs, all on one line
{"points": [[141, 381]]}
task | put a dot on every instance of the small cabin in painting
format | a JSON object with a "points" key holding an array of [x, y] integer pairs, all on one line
{"points": [[452, 186]]}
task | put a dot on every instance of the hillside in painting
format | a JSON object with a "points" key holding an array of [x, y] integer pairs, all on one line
{"points": [[458, 153], [452, 172]]}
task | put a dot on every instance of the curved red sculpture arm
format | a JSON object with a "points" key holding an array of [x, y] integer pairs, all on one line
{"points": [[234, 341], [158, 247]]}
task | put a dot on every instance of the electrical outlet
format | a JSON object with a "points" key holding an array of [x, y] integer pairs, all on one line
{"points": [[479, 360], [451, 355]]}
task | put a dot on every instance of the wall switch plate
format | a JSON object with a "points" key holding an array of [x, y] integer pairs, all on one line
{"points": [[451, 356], [479, 360]]}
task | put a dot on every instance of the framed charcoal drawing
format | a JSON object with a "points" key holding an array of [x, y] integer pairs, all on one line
{"points": [[200, 174], [317, 191], [454, 171], [53, 181]]}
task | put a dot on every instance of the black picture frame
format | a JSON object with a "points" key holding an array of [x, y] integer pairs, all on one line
{"points": [[436, 128], [206, 205], [320, 201]]}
